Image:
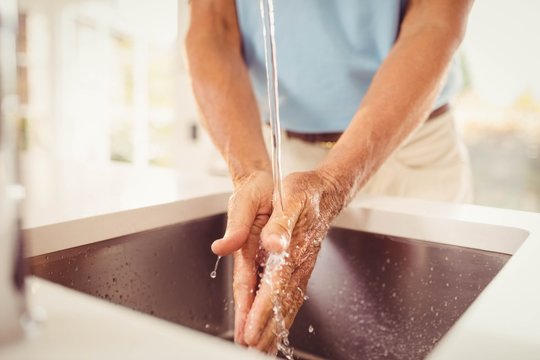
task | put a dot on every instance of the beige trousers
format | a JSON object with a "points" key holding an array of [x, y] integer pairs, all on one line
{"points": [[431, 164]]}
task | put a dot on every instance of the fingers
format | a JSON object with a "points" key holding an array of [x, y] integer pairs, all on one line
{"points": [[241, 215], [268, 336], [244, 283], [272, 350], [276, 276], [291, 301], [269, 340], [275, 238], [277, 233], [259, 314]]}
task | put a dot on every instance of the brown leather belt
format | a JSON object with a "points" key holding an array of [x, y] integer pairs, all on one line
{"points": [[327, 140]]}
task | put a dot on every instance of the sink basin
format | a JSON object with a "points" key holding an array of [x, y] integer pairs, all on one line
{"points": [[162, 272], [372, 294]]}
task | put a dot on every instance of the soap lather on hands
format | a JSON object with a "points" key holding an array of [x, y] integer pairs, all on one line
{"points": [[256, 229]]}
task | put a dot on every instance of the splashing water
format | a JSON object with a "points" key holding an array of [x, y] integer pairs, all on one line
{"points": [[213, 274], [282, 333], [267, 14], [274, 263]]}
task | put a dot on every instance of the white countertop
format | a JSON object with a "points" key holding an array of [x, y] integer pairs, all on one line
{"points": [[79, 326], [63, 190]]}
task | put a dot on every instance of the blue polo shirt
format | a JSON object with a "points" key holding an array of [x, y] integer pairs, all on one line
{"points": [[327, 52]]}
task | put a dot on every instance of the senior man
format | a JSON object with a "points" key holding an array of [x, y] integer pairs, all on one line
{"points": [[364, 88]]}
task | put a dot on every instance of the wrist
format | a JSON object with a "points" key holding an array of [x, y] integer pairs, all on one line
{"points": [[340, 181], [243, 171]]}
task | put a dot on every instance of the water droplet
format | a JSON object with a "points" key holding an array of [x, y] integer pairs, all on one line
{"points": [[213, 274], [310, 329]]}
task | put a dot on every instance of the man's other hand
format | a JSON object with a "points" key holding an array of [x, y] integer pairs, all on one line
{"points": [[292, 239], [249, 208]]}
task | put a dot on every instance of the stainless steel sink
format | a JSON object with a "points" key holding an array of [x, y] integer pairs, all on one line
{"points": [[371, 296]]}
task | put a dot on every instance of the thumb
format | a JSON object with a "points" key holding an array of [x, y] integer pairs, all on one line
{"points": [[276, 235], [241, 215]]}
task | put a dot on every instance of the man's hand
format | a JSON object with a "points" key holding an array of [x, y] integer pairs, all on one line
{"points": [[292, 238], [250, 207], [280, 246]]}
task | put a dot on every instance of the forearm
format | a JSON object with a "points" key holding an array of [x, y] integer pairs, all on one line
{"points": [[400, 97], [226, 101]]}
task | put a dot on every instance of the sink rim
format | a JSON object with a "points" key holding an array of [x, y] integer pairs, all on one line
{"points": [[409, 222]]}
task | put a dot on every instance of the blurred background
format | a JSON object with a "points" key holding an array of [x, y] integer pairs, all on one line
{"points": [[108, 119]]}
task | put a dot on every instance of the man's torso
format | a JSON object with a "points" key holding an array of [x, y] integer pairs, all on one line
{"points": [[327, 52]]}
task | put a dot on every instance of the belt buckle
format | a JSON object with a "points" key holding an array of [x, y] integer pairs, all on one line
{"points": [[326, 144]]}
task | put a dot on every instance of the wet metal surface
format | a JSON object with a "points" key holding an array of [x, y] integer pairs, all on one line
{"points": [[163, 272], [370, 296], [377, 297]]}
